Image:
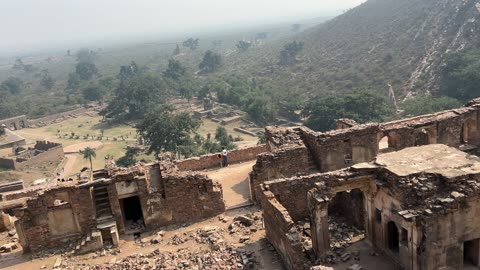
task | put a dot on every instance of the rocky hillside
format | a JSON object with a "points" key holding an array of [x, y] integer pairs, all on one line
{"points": [[381, 44]]}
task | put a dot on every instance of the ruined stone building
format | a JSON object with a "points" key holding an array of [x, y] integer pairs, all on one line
{"points": [[414, 197], [85, 214], [42, 151]]}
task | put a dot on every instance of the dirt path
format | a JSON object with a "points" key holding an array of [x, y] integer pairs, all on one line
{"points": [[235, 182], [75, 148], [68, 167]]}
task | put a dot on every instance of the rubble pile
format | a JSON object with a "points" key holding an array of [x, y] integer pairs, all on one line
{"points": [[342, 235], [182, 259], [303, 227]]}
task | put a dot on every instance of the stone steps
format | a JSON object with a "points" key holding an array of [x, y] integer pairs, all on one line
{"points": [[102, 202]]}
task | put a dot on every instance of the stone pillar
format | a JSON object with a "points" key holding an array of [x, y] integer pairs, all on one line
{"points": [[318, 206]]}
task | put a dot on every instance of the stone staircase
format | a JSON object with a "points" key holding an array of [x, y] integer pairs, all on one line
{"points": [[92, 241], [102, 203]]}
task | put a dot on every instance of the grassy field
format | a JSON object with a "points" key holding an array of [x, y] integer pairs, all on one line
{"points": [[93, 126]]}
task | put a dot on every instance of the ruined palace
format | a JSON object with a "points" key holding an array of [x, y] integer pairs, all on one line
{"points": [[88, 213], [411, 186]]}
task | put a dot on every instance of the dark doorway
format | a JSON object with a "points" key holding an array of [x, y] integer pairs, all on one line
{"points": [[471, 251], [393, 237], [132, 213]]}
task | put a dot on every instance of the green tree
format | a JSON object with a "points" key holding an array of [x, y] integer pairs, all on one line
{"points": [[288, 55], [426, 105], [129, 159], [211, 62], [88, 154], [86, 55], [47, 81], [93, 92], [73, 82], [86, 70], [243, 46], [129, 71], [460, 76], [164, 130], [133, 98], [2, 131], [191, 43], [175, 70], [360, 105], [12, 85]]}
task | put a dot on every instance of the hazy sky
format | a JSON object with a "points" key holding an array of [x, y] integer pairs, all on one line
{"points": [[31, 23]]}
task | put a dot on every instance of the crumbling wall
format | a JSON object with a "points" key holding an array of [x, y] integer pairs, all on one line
{"points": [[213, 161], [282, 163], [446, 234], [186, 198], [281, 232], [291, 193], [340, 148], [42, 223], [15, 123]]}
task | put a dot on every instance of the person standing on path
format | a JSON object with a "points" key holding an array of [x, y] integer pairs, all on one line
{"points": [[225, 157]]}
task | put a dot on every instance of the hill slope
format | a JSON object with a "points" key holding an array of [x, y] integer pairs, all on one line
{"points": [[398, 42]]}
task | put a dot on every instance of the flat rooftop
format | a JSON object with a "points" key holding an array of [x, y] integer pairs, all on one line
{"points": [[435, 158]]}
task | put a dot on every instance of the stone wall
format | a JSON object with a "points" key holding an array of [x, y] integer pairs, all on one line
{"points": [[47, 120], [169, 198], [54, 216], [281, 232], [15, 123], [7, 163], [51, 155], [282, 163], [341, 148], [42, 152], [213, 161]]}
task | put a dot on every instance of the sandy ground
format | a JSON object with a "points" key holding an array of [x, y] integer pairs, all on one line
{"points": [[75, 148], [235, 182], [69, 165]]}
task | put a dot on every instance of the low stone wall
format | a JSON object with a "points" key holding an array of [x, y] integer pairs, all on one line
{"points": [[7, 163], [281, 232], [15, 123], [212, 160]]}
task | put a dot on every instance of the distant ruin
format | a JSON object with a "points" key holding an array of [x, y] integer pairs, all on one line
{"points": [[42, 151]]}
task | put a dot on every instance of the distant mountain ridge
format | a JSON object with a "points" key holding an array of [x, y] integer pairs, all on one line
{"points": [[402, 43]]}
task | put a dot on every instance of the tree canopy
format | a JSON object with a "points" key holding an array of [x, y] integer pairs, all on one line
{"points": [[12, 85], [86, 70], [360, 105], [289, 54], [175, 70], [164, 130], [461, 75], [191, 43], [426, 105], [211, 62], [133, 98]]}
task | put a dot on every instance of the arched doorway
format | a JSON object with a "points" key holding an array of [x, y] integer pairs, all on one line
{"points": [[393, 237], [386, 144]]}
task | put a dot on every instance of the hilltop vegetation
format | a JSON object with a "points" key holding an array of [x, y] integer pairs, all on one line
{"points": [[396, 49]]}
